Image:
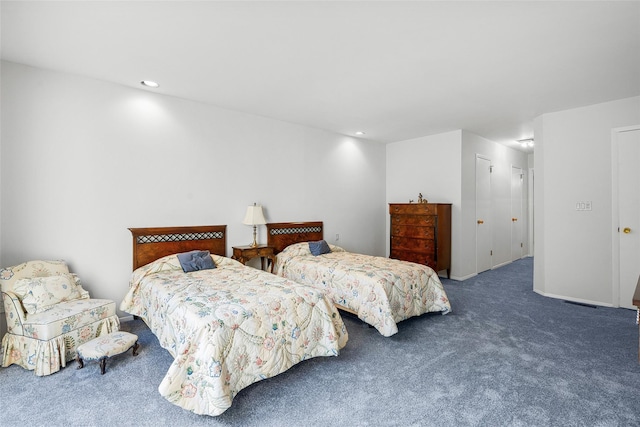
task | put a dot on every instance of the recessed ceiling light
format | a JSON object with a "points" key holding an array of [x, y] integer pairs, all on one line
{"points": [[359, 133], [149, 83]]}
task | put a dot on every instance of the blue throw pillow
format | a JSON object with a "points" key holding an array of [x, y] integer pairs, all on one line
{"points": [[196, 260], [318, 248]]}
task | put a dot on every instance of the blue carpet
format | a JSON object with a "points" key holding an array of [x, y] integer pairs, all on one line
{"points": [[505, 356]]}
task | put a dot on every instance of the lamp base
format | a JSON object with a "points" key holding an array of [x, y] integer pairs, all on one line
{"points": [[255, 242]]}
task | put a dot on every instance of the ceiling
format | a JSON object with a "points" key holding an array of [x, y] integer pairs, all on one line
{"points": [[395, 70]]}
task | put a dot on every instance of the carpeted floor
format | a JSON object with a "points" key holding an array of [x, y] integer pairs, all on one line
{"points": [[505, 356]]}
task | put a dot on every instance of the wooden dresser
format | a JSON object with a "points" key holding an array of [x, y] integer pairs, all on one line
{"points": [[421, 233]]}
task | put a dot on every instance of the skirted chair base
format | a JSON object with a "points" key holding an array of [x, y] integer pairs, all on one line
{"points": [[46, 357], [49, 315]]}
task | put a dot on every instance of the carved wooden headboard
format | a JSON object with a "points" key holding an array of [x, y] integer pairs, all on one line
{"points": [[149, 244], [282, 234]]}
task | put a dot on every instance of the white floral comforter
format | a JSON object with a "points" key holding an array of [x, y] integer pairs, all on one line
{"points": [[382, 291], [229, 327]]}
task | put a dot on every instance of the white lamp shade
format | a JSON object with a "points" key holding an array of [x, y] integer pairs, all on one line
{"points": [[254, 216]]}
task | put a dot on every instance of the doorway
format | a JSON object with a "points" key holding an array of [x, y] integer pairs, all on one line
{"points": [[626, 213], [517, 245], [483, 215]]}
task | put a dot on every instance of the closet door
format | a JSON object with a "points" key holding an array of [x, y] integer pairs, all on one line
{"points": [[517, 223], [628, 234], [483, 215]]}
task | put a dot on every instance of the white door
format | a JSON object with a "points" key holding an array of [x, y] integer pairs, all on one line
{"points": [[530, 214], [483, 214], [628, 214], [517, 179]]}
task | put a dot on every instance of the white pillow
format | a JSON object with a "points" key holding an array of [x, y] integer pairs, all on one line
{"points": [[38, 294], [81, 291]]}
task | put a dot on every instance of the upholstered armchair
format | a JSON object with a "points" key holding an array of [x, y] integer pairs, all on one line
{"points": [[49, 315]]}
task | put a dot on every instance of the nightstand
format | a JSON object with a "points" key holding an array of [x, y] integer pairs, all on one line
{"points": [[245, 253]]}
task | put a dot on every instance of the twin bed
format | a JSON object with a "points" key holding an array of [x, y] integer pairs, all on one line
{"points": [[380, 291], [230, 326], [226, 327]]}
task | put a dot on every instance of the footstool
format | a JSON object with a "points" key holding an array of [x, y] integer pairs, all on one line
{"points": [[105, 346]]}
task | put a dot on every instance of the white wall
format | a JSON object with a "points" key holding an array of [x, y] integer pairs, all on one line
{"points": [[573, 249], [82, 160], [442, 167], [502, 159], [429, 165]]}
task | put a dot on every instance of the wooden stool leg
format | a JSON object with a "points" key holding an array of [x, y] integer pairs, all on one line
{"points": [[136, 346], [103, 364], [80, 362]]}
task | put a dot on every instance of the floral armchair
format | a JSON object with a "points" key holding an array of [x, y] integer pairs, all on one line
{"points": [[49, 315]]}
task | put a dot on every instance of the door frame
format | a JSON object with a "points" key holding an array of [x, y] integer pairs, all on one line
{"points": [[530, 212], [521, 213], [475, 219], [615, 214]]}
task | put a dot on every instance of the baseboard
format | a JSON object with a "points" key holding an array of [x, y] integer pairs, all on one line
{"points": [[576, 300], [126, 319], [463, 278], [501, 264]]}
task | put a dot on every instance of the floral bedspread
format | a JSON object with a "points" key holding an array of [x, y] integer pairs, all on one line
{"points": [[382, 291], [229, 327]]}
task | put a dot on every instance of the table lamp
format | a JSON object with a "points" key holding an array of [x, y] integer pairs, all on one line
{"points": [[255, 217]]}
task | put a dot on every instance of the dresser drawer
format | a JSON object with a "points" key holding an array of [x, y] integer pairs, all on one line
{"points": [[412, 209], [427, 246], [415, 232], [419, 258], [419, 220]]}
